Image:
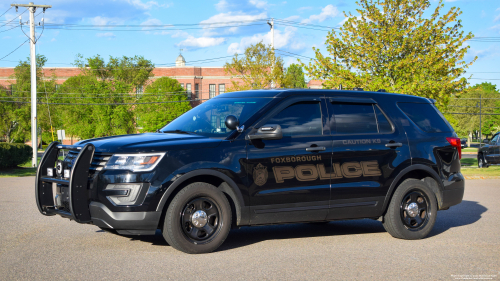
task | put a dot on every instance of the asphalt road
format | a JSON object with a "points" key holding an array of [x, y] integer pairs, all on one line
{"points": [[464, 242]]}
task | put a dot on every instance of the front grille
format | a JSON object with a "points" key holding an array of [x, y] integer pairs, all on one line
{"points": [[98, 162]]}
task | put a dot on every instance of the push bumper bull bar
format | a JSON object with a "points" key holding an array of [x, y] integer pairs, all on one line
{"points": [[79, 197]]}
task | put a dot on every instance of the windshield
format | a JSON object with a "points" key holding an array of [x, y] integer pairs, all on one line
{"points": [[208, 119]]}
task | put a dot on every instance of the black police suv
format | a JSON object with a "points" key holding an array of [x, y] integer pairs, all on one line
{"points": [[490, 153], [263, 157]]}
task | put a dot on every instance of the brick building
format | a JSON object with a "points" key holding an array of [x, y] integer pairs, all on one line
{"points": [[203, 82]]}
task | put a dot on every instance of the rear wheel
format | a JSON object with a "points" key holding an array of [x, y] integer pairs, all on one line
{"points": [[198, 219], [412, 211]]}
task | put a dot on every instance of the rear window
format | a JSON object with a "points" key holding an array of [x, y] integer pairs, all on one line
{"points": [[353, 118], [426, 116]]}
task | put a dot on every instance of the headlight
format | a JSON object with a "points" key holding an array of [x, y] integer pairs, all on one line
{"points": [[135, 162]]}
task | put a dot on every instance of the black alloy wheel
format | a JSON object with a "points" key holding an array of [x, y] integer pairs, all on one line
{"points": [[200, 219], [414, 210]]}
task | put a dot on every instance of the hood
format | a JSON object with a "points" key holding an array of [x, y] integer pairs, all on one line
{"points": [[150, 142]]}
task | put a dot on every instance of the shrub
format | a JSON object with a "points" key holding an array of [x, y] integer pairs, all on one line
{"points": [[14, 154]]}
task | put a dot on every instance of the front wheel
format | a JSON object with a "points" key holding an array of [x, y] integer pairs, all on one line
{"points": [[198, 219], [481, 162], [412, 211]]}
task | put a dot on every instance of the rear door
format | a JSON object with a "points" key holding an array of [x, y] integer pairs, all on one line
{"points": [[367, 148], [290, 177]]}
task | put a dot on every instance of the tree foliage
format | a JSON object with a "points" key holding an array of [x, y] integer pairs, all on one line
{"points": [[133, 71], [257, 69], [295, 76], [102, 112], [393, 46], [172, 102], [16, 110], [484, 94]]}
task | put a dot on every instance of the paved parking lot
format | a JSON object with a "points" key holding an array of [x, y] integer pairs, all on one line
{"points": [[465, 241]]}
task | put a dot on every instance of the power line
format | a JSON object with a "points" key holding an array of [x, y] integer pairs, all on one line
{"points": [[14, 18], [15, 49], [6, 11], [10, 28]]}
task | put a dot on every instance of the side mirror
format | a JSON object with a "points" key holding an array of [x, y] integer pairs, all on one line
{"points": [[267, 132], [232, 122]]}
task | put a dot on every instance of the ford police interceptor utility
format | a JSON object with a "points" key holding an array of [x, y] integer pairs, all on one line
{"points": [[263, 157]]}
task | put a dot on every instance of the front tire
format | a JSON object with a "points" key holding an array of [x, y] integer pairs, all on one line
{"points": [[481, 162], [412, 211], [198, 219]]}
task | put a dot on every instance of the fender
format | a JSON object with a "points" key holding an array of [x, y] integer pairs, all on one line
{"points": [[231, 188], [405, 171]]}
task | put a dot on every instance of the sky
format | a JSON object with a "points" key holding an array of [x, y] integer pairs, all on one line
{"points": [[160, 30]]}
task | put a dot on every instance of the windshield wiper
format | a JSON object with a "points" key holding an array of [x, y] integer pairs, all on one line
{"points": [[178, 132]]}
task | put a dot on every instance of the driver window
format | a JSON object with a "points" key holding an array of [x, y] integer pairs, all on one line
{"points": [[299, 119], [495, 139]]}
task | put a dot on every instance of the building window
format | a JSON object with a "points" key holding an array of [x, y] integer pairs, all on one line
{"points": [[211, 91], [196, 90], [139, 90], [188, 90], [58, 86], [222, 88], [182, 85]]}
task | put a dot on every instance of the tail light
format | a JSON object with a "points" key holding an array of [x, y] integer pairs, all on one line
{"points": [[456, 143]]}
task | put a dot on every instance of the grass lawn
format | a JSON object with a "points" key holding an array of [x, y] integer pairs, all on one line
{"points": [[470, 169], [469, 149]]}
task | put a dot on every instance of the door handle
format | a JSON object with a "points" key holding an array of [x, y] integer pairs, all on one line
{"points": [[316, 148], [393, 144]]}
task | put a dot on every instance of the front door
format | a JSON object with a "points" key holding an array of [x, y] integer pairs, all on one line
{"points": [[291, 176], [493, 155], [366, 146]]}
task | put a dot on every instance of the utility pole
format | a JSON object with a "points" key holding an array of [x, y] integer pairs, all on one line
{"points": [[34, 138], [271, 24]]}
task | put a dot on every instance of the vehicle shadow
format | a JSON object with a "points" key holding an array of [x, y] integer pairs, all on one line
{"points": [[465, 213]]}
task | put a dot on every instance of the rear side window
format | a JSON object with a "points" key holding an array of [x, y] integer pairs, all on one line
{"points": [[351, 118], [426, 116]]}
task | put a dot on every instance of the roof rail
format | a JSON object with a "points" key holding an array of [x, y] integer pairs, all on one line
{"points": [[358, 89], [382, 90]]}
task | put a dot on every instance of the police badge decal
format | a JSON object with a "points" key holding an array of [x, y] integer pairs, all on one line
{"points": [[260, 175]]}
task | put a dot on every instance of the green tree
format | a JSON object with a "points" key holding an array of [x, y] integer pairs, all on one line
{"points": [[130, 70], [256, 69], [171, 101], [393, 46], [95, 108], [16, 113], [295, 76], [468, 103]]}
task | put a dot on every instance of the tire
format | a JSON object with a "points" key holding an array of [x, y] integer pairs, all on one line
{"points": [[481, 162], [412, 211], [198, 219]]}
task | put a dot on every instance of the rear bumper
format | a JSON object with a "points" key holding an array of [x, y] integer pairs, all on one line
{"points": [[453, 193]]}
